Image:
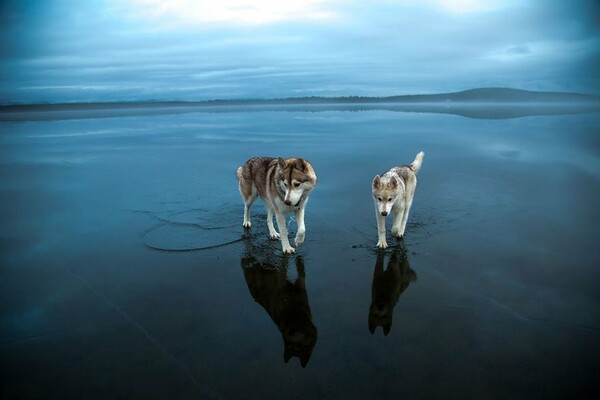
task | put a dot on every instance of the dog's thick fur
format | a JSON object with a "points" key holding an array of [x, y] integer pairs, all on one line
{"points": [[394, 191], [284, 186], [387, 287]]}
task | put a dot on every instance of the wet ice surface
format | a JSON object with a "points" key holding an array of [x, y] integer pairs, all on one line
{"points": [[126, 272], [189, 230]]}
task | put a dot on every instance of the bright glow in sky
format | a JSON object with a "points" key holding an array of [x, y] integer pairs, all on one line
{"points": [[100, 50], [234, 11], [466, 6]]}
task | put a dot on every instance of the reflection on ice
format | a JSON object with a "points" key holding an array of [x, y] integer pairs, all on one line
{"points": [[285, 300], [387, 287]]}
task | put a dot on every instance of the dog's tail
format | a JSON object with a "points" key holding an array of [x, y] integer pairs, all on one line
{"points": [[416, 165]]}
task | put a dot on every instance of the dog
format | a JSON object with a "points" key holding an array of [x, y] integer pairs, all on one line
{"points": [[284, 186], [387, 287], [394, 191]]}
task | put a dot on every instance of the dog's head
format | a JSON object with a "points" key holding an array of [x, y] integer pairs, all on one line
{"points": [[296, 178], [385, 194]]}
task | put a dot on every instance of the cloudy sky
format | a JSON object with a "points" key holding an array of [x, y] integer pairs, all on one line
{"points": [[113, 50]]}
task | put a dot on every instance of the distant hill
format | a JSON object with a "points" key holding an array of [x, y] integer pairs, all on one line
{"points": [[480, 95], [498, 95]]}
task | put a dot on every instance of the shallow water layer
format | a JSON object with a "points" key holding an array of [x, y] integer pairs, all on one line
{"points": [[126, 272]]}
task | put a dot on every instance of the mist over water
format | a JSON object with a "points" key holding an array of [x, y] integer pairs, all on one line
{"points": [[126, 271]]}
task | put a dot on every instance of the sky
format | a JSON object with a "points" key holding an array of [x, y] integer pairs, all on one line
{"points": [[128, 50]]}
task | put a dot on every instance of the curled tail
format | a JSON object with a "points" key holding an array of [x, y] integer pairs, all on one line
{"points": [[416, 164]]}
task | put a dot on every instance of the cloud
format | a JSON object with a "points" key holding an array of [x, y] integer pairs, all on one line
{"points": [[470, 6], [188, 50], [518, 49]]}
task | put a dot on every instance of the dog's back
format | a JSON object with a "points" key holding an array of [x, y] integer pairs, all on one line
{"points": [[261, 174], [256, 174], [408, 173]]}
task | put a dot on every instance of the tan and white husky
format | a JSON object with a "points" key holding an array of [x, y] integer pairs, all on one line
{"points": [[284, 186], [394, 191]]}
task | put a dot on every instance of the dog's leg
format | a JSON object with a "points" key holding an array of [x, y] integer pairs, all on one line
{"points": [[397, 230], [285, 242], [301, 228], [382, 243], [272, 232], [247, 203], [405, 218], [247, 223], [410, 193], [249, 193]]}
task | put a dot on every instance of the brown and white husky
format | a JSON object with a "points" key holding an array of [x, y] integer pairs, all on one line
{"points": [[284, 186], [394, 191]]}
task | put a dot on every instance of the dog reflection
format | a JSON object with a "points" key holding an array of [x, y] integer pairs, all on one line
{"points": [[285, 301], [387, 287]]}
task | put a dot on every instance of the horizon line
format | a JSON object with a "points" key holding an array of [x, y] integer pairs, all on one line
{"points": [[587, 96]]}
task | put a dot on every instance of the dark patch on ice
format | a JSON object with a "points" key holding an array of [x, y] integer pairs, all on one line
{"points": [[187, 237], [194, 229], [202, 218]]}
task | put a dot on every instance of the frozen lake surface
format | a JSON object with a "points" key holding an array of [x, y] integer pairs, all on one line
{"points": [[126, 273]]}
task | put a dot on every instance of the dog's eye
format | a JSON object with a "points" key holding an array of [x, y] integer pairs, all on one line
{"points": [[380, 199], [296, 184], [390, 199]]}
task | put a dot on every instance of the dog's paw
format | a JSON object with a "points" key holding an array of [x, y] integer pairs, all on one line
{"points": [[247, 224], [299, 239], [288, 250], [382, 244], [274, 235]]}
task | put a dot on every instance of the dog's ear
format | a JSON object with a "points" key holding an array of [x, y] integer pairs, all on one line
{"points": [[301, 164], [393, 182], [281, 162], [376, 182]]}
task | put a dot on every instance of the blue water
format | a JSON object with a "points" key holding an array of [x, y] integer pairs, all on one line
{"points": [[126, 273]]}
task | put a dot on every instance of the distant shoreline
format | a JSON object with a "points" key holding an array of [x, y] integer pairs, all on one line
{"points": [[469, 110], [487, 96], [495, 103]]}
